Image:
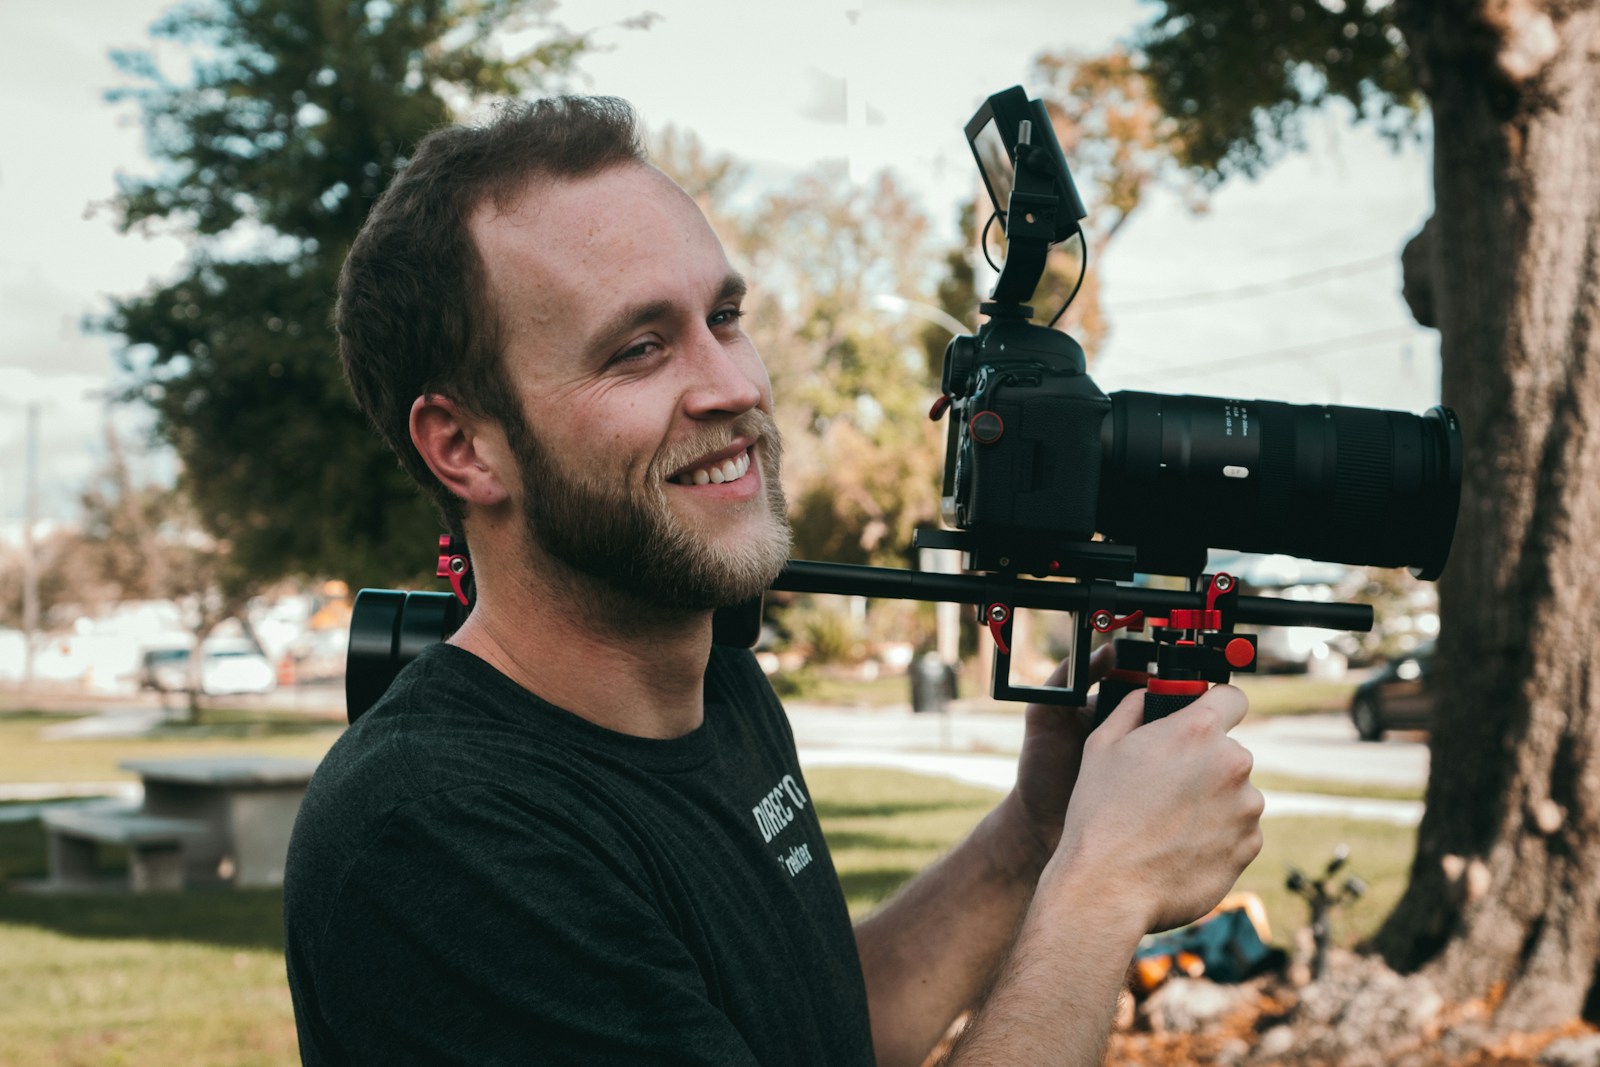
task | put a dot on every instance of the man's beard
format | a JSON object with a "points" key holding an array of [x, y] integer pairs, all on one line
{"points": [[631, 542]]}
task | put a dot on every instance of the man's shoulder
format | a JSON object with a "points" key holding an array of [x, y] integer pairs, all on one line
{"points": [[442, 730]]}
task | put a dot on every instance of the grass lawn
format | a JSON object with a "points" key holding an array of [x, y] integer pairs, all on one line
{"points": [[883, 826], [99, 978], [1332, 787], [1294, 694], [91, 979], [197, 977], [27, 755]]}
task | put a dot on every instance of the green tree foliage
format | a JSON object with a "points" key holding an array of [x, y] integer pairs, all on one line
{"points": [[1211, 89], [293, 118], [1236, 77]]}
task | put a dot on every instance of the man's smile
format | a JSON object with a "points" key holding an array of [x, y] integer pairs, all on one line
{"points": [[729, 465]]}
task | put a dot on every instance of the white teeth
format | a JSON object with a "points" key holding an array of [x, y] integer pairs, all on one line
{"points": [[728, 471]]}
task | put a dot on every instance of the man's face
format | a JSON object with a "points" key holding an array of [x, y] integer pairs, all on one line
{"points": [[648, 458]]}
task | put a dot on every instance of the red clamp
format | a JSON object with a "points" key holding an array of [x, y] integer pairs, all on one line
{"points": [[1220, 583], [1209, 617], [1105, 621], [453, 565], [939, 405], [1194, 619], [997, 615]]}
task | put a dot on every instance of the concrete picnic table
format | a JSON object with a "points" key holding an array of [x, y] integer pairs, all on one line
{"points": [[244, 808]]}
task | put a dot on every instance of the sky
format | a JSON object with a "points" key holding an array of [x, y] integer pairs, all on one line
{"points": [[1286, 288]]}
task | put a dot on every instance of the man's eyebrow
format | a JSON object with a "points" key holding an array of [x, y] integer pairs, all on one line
{"points": [[636, 316], [733, 287]]}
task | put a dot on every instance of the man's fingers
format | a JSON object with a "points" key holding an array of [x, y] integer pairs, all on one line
{"points": [[1229, 702], [1123, 718], [1100, 664]]}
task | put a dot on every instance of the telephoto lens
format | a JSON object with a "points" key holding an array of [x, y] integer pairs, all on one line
{"points": [[1347, 485]]}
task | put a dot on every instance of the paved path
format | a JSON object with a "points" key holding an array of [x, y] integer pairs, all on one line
{"points": [[1314, 746], [999, 772], [979, 747]]}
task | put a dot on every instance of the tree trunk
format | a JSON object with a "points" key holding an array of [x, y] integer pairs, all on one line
{"points": [[1504, 898]]}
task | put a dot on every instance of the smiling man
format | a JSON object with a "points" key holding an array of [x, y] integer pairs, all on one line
{"points": [[577, 832]]}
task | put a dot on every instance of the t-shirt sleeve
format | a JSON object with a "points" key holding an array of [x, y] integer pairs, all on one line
{"points": [[475, 928]]}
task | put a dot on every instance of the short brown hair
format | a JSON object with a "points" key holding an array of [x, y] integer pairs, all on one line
{"points": [[414, 313]]}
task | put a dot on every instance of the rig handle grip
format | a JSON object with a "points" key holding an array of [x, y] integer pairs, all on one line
{"points": [[1165, 696]]}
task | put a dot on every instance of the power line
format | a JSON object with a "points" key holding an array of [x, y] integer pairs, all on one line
{"points": [[1293, 281], [1273, 355]]}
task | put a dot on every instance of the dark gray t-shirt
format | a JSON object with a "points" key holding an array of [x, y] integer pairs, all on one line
{"points": [[479, 877]]}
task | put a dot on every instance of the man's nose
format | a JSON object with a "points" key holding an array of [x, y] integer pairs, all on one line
{"points": [[726, 379]]}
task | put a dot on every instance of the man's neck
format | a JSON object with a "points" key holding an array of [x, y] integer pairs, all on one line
{"points": [[593, 651]]}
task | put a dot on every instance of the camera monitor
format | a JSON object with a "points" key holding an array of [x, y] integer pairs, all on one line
{"points": [[993, 133]]}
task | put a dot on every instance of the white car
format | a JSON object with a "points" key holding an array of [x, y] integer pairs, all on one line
{"points": [[225, 669], [236, 670]]}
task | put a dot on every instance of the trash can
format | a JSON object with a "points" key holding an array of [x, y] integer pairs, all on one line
{"points": [[933, 683]]}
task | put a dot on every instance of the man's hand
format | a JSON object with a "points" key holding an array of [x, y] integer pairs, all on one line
{"points": [[1162, 820], [1163, 814], [1052, 750]]}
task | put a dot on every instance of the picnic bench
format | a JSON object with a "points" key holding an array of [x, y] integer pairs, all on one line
{"points": [[155, 846], [206, 821]]}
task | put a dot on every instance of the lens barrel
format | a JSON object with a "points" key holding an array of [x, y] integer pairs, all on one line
{"points": [[1347, 485]]}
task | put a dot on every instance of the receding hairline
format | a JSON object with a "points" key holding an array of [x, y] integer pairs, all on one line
{"points": [[525, 197]]}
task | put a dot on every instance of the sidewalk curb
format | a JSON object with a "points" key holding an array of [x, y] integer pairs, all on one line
{"points": [[1000, 773]]}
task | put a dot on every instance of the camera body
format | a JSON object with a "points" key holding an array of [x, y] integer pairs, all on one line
{"points": [[1022, 466], [1040, 462]]}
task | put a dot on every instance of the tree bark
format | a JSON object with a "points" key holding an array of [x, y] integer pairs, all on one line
{"points": [[1504, 897]]}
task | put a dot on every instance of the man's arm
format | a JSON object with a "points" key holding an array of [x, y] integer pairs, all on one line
{"points": [[1161, 821], [929, 952]]}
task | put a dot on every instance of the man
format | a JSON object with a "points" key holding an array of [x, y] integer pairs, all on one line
{"points": [[577, 832]]}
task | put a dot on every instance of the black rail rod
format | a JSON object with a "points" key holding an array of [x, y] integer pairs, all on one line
{"points": [[892, 583]]}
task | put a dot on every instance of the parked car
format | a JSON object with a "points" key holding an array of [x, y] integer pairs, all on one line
{"points": [[225, 669], [165, 670], [1398, 697], [1309, 650]]}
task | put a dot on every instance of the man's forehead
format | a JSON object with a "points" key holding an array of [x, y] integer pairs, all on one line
{"points": [[557, 235], [578, 210]]}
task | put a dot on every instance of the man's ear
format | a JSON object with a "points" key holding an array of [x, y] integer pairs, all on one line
{"points": [[469, 455]]}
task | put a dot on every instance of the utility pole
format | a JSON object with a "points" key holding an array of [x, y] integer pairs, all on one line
{"points": [[30, 561]]}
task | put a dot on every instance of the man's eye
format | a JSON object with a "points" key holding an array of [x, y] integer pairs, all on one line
{"points": [[726, 317], [642, 350]]}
